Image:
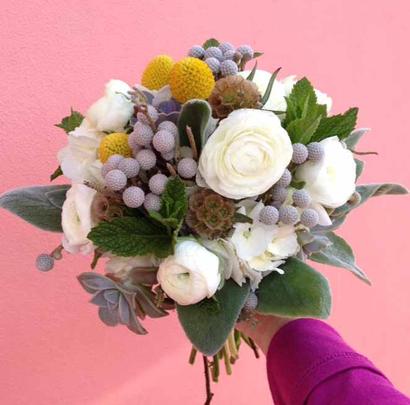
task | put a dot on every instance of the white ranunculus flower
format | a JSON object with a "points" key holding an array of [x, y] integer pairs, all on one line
{"points": [[330, 181], [263, 247], [77, 219], [191, 274], [112, 111], [79, 159], [246, 154]]}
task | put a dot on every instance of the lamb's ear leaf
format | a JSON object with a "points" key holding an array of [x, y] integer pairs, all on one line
{"points": [[208, 323], [195, 114], [40, 206], [352, 140], [367, 191], [300, 292]]}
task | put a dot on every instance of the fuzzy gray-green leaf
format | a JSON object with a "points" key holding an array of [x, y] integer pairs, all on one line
{"points": [[37, 205], [354, 137]]}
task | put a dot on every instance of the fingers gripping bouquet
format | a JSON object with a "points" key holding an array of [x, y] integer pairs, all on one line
{"points": [[206, 189]]}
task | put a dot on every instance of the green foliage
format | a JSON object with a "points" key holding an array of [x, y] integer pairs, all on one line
{"points": [[354, 137], [252, 72], [132, 236], [300, 292], [359, 167], [195, 114], [367, 191], [71, 122], [39, 205], [339, 254], [268, 90], [208, 323], [57, 173], [210, 42], [340, 125]]}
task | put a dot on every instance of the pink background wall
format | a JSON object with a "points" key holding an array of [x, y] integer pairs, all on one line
{"points": [[57, 54]]}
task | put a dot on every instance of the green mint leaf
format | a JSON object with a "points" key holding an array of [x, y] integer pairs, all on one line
{"points": [[340, 125], [71, 122], [174, 200], [210, 42], [131, 236], [301, 130], [57, 173]]}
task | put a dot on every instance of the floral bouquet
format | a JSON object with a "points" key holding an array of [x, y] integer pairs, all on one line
{"points": [[205, 189]]}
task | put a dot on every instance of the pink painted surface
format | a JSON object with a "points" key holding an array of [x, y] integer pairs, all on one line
{"points": [[57, 54]]}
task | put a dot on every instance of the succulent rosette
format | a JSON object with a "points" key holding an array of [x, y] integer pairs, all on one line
{"points": [[207, 189]]}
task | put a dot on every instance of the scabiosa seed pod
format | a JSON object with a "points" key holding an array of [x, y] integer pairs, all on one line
{"points": [[269, 215], [315, 151], [213, 64], [300, 153], [229, 68], [213, 52], [130, 167], [152, 202], [301, 198], [44, 262], [226, 46], [309, 218], [157, 183], [143, 134], [285, 179], [197, 52], [163, 141], [146, 159], [133, 197], [168, 126], [115, 180], [187, 168], [288, 215]]}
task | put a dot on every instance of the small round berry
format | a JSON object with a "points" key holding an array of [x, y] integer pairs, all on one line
{"points": [[226, 46], [169, 155], [288, 215], [152, 202], [213, 52], [246, 51], [163, 141], [315, 151], [133, 197], [228, 55], [277, 204], [300, 153], [132, 141], [251, 302], [44, 262], [157, 183], [168, 126], [196, 52], [309, 218], [146, 158], [269, 215], [301, 198], [213, 64], [279, 193], [130, 167], [229, 68], [113, 161], [285, 179], [187, 168], [143, 134], [152, 113], [115, 180]]}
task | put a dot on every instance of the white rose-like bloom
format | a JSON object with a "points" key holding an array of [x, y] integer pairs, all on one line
{"points": [[79, 159], [77, 219], [330, 181], [112, 111], [191, 274], [246, 154]]}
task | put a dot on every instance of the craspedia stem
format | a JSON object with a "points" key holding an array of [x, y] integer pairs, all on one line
{"points": [[215, 369], [192, 355], [227, 361], [192, 142], [171, 169]]}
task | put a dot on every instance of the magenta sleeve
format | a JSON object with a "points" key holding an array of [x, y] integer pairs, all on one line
{"points": [[309, 363]]}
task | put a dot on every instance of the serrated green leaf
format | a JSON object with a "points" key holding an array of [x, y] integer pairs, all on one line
{"points": [[339, 254], [71, 122], [300, 292], [195, 114], [208, 323], [210, 42], [57, 173], [174, 200], [340, 125], [38, 205], [354, 137], [301, 130], [268, 90], [131, 236]]}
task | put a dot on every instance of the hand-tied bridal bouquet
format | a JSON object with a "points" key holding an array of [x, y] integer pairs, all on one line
{"points": [[206, 188]]}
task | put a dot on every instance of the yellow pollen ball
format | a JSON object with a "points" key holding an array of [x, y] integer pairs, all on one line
{"points": [[156, 74], [191, 78], [114, 144]]}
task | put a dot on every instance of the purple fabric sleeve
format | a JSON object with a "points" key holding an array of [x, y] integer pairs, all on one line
{"points": [[309, 363]]}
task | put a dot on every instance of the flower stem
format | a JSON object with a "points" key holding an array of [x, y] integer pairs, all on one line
{"points": [[228, 367], [191, 139], [192, 355], [209, 394], [215, 369]]}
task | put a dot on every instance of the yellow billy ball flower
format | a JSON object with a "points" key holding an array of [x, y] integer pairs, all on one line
{"points": [[191, 78], [114, 144], [156, 74]]}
